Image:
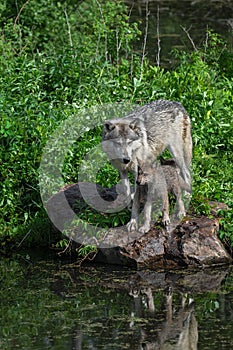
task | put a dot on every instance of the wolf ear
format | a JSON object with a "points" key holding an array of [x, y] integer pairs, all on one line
{"points": [[108, 126]]}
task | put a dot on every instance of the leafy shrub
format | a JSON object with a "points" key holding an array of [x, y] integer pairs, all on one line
{"points": [[44, 80]]}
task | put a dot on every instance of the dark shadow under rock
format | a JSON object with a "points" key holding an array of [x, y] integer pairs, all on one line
{"points": [[193, 242]]}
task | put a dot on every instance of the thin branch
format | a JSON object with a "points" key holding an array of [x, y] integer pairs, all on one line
{"points": [[131, 66], [188, 35], [68, 28], [88, 257], [158, 39], [105, 31], [130, 12], [66, 247], [97, 47], [145, 38], [118, 45], [206, 38], [129, 16], [20, 11], [27, 234]]}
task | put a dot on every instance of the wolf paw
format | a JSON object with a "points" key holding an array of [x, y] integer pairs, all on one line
{"points": [[181, 214], [132, 225], [144, 229], [166, 220]]}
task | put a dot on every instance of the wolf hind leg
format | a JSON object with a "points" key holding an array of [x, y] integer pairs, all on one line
{"points": [[180, 160], [180, 208], [186, 151]]}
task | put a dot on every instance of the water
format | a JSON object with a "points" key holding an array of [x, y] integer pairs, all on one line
{"points": [[180, 25], [48, 304]]}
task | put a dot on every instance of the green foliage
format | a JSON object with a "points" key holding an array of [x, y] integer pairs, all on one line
{"points": [[226, 229], [87, 250], [104, 220], [44, 82], [57, 57]]}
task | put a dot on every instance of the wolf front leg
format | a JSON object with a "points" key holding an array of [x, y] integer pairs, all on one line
{"points": [[125, 182], [165, 218], [159, 198], [133, 224], [147, 217]]}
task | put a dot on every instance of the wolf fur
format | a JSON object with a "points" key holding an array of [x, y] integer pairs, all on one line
{"points": [[142, 136], [159, 180]]}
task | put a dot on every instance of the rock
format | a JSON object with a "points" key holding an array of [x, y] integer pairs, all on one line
{"points": [[197, 243], [193, 242], [63, 206]]}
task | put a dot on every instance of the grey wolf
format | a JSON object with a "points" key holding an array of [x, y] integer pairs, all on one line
{"points": [[142, 136], [159, 181]]}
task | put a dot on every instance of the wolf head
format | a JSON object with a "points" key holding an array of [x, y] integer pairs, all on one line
{"points": [[122, 128], [142, 178], [122, 138], [146, 172]]}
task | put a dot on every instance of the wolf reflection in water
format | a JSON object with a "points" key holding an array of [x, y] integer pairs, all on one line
{"points": [[180, 329]]}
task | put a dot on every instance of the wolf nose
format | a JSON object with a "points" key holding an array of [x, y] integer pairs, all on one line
{"points": [[126, 160]]}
